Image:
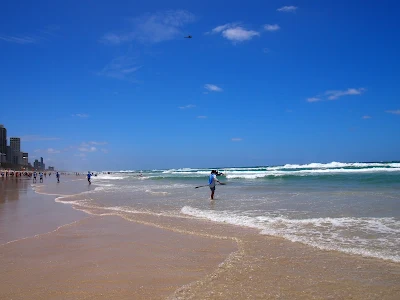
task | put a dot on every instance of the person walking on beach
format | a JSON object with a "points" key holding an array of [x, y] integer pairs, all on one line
{"points": [[58, 177], [211, 182], [88, 177], [41, 177], [34, 176]]}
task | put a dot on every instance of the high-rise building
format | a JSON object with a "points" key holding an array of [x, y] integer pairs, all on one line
{"points": [[42, 165], [15, 145], [24, 159], [36, 164], [9, 154], [3, 143]]}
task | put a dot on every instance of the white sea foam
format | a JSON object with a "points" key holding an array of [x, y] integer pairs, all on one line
{"points": [[277, 173], [350, 235], [335, 164], [331, 165], [110, 177], [156, 192]]}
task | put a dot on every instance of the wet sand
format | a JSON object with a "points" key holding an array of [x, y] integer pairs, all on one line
{"points": [[145, 256], [87, 257], [24, 213]]}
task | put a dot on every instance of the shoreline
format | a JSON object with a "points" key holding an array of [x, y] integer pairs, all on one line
{"points": [[266, 266], [134, 259]]}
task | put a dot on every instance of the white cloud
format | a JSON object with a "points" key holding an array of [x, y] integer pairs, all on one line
{"points": [[18, 39], [111, 38], [153, 28], [90, 146], [221, 28], [87, 149], [290, 8], [187, 106], [336, 94], [395, 112], [212, 88], [32, 138], [97, 143], [201, 117], [33, 38], [313, 99], [52, 151], [122, 67], [366, 117], [81, 115], [235, 33], [269, 27], [236, 139], [239, 34], [333, 95]]}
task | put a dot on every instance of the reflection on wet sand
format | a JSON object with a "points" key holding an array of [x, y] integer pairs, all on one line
{"points": [[11, 188], [24, 213]]}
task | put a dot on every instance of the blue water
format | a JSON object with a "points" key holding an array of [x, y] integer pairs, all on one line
{"points": [[348, 207]]}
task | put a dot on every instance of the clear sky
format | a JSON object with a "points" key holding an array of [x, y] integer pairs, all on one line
{"points": [[110, 85]]}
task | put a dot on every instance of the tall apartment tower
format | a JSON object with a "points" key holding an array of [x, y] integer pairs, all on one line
{"points": [[42, 166], [15, 145], [3, 143]]}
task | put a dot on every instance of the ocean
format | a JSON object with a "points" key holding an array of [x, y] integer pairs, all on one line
{"points": [[348, 207]]}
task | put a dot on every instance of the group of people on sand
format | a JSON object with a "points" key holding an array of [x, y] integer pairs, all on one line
{"points": [[5, 174], [41, 174]]}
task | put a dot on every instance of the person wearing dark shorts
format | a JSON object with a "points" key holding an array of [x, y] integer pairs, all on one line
{"points": [[211, 182], [88, 177]]}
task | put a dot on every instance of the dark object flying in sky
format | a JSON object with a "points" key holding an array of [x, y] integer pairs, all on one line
{"points": [[188, 37]]}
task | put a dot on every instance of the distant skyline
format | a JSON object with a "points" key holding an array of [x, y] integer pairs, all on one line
{"points": [[115, 85]]}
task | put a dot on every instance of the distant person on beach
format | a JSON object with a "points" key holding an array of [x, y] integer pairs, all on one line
{"points": [[34, 176], [58, 177], [41, 177], [211, 182], [88, 177]]}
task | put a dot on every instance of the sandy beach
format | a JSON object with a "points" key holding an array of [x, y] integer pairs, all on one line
{"points": [[50, 250]]}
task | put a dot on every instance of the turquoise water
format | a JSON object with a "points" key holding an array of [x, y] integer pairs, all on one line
{"points": [[348, 207]]}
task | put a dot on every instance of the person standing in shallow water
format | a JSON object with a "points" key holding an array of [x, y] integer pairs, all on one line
{"points": [[58, 177], [88, 177], [211, 182]]}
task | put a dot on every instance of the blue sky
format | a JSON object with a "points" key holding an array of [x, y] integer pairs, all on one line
{"points": [[110, 85]]}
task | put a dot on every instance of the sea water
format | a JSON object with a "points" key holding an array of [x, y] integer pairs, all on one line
{"points": [[348, 207]]}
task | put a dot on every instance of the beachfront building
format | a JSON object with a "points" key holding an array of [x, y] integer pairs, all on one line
{"points": [[15, 153], [36, 165], [10, 155], [39, 165], [25, 159], [3, 144], [42, 165]]}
